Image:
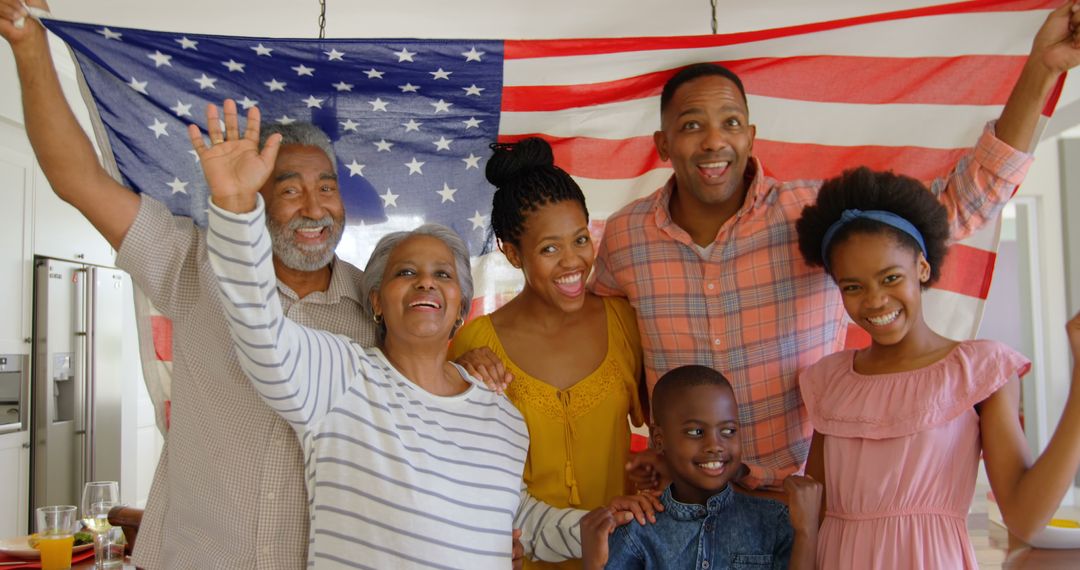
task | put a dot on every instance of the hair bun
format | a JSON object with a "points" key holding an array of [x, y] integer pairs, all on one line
{"points": [[510, 160]]}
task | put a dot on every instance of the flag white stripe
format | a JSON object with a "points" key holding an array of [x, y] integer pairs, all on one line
{"points": [[787, 120], [951, 314], [992, 33], [605, 197], [986, 238]]}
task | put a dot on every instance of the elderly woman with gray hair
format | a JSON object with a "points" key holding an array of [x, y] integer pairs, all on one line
{"points": [[410, 461]]}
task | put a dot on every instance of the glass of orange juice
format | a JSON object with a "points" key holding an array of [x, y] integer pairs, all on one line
{"points": [[55, 536]]}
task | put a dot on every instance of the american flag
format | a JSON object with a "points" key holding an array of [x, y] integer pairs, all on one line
{"points": [[411, 118]]}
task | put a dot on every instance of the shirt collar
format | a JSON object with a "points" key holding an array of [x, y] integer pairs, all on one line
{"points": [[343, 283], [687, 512], [756, 193]]}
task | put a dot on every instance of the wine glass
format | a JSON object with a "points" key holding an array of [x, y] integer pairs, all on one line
{"points": [[98, 498]]}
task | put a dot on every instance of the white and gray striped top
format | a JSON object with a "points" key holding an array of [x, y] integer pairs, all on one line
{"points": [[397, 477]]}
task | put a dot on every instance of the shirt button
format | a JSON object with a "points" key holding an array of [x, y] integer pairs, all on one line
{"points": [[708, 527], [704, 563], [712, 286], [716, 341]]}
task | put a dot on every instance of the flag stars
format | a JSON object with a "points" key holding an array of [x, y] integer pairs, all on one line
{"points": [[471, 161], [440, 74], [447, 193], [355, 168], [349, 125], [415, 166], [409, 88], [181, 109], [137, 85], [314, 102], [389, 199], [472, 123], [334, 55], [404, 55], [234, 65], [205, 82], [412, 125], [275, 85], [159, 129], [195, 155], [382, 145], [472, 54], [178, 186], [378, 104], [261, 50], [374, 73], [479, 221], [247, 103], [159, 58], [109, 34], [302, 70], [473, 90], [342, 86], [442, 144], [441, 106], [187, 44], [285, 120]]}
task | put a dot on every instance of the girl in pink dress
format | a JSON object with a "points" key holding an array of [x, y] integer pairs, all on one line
{"points": [[900, 426]]}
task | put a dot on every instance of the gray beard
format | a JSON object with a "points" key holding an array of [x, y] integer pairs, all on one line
{"points": [[299, 257]]}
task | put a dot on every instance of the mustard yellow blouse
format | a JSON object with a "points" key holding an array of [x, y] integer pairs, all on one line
{"points": [[579, 437]]}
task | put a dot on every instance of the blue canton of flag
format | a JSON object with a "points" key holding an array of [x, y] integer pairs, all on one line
{"points": [[410, 120]]}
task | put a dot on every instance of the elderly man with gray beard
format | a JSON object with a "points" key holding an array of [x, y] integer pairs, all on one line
{"points": [[229, 489]]}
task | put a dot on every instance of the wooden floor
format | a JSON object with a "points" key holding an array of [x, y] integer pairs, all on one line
{"points": [[996, 550]]}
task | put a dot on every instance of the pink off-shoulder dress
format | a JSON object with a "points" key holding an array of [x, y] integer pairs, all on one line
{"points": [[901, 456]]}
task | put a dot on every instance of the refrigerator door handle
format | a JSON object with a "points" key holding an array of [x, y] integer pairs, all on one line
{"points": [[83, 411], [90, 294]]}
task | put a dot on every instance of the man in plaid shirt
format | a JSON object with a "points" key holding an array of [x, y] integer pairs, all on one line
{"points": [[711, 263]]}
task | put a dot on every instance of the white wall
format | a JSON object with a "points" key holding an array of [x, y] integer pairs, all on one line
{"points": [[465, 18], [1044, 187]]}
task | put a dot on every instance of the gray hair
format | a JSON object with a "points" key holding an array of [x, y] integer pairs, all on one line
{"points": [[305, 134], [376, 265]]}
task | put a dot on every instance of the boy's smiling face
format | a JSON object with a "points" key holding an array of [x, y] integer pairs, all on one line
{"points": [[698, 434]]}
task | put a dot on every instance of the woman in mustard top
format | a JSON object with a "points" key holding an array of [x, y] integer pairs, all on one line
{"points": [[575, 357]]}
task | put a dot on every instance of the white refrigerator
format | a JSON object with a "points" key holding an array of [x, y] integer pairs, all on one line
{"points": [[75, 423]]}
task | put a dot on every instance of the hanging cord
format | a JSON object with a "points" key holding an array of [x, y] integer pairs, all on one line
{"points": [[714, 22], [322, 19]]}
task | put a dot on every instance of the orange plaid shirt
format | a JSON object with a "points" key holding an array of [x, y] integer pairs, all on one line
{"points": [[752, 308]]}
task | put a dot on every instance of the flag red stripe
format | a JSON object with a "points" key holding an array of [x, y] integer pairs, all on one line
{"points": [[812, 78], [161, 329], [591, 158], [794, 161], [522, 49], [967, 271], [856, 337], [1052, 100]]}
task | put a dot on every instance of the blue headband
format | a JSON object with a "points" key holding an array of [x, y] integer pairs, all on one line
{"points": [[881, 216]]}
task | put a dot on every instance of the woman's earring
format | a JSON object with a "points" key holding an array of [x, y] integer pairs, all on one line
{"points": [[377, 318], [459, 322]]}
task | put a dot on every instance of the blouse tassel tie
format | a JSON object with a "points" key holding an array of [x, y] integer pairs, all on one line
{"points": [[568, 435]]}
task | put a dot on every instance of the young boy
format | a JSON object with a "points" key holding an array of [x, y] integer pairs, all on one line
{"points": [[705, 523]]}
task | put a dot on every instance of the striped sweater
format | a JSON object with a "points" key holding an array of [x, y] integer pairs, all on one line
{"points": [[397, 477]]}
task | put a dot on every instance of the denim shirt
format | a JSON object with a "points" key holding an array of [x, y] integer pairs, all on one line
{"points": [[730, 531]]}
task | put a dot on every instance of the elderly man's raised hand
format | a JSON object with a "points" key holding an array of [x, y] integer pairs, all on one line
{"points": [[1057, 44], [234, 166]]}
